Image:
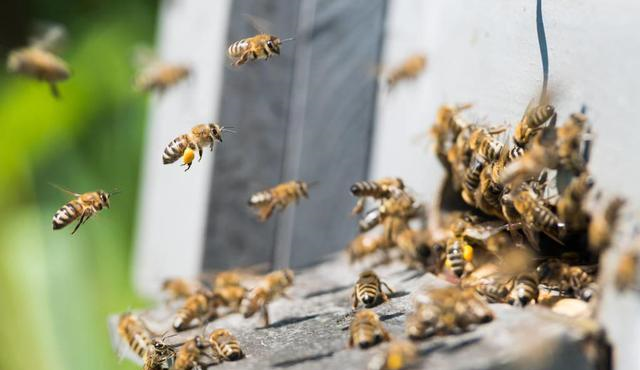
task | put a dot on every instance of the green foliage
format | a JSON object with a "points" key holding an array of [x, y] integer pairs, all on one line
{"points": [[57, 289]]}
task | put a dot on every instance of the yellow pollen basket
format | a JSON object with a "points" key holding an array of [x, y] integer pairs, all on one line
{"points": [[395, 361], [467, 252], [188, 156]]}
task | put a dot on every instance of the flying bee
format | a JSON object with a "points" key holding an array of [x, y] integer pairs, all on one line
{"points": [[188, 356], [626, 275], [445, 130], [200, 136], [158, 355], [134, 333], [180, 288], [272, 286], [278, 197], [399, 354], [377, 189], [81, 208], [541, 155], [533, 120], [366, 330], [604, 223], [570, 205], [525, 289], [364, 245], [225, 345], [39, 62], [161, 76], [569, 143], [410, 69], [202, 306], [368, 290], [260, 46]]}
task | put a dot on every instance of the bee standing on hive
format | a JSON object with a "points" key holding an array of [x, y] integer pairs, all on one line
{"points": [[202, 306], [158, 355], [38, 60], [133, 332], [278, 197], [185, 145], [368, 290], [272, 286], [188, 356], [366, 330], [225, 345], [81, 208]]}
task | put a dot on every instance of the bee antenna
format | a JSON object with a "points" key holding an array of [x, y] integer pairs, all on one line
{"points": [[287, 40], [311, 184], [115, 191], [226, 129]]}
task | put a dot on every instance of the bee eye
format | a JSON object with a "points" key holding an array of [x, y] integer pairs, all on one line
{"points": [[270, 43]]}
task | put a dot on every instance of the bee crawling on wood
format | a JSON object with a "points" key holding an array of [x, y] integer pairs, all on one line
{"points": [[188, 357], [366, 330], [202, 306], [368, 290], [178, 288], [38, 60], [278, 197], [225, 345], [158, 356], [185, 145], [81, 208], [272, 286], [411, 68]]}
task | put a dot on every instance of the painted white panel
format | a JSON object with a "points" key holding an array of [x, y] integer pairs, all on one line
{"points": [[173, 204], [486, 53]]}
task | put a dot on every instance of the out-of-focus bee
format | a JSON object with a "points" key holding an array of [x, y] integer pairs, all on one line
{"points": [[368, 290], [410, 69], [230, 296], [133, 332], [567, 279], [260, 46], [377, 189], [161, 76], [364, 245], [81, 208], [178, 288], [225, 345], [471, 180], [525, 289], [604, 224], [458, 254], [495, 290], [569, 143], [536, 215], [278, 197], [570, 205], [158, 356], [533, 120], [399, 354], [483, 143], [200, 136], [38, 60], [202, 306], [366, 330], [189, 354], [626, 275], [272, 286], [541, 155], [227, 278], [370, 220]]}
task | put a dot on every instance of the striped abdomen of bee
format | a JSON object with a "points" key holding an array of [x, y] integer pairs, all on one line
{"points": [[133, 332], [471, 181], [368, 290], [225, 345], [482, 143], [376, 189], [455, 257], [494, 292], [265, 202], [261, 46], [83, 207], [188, 356], [525, 289], [175, 149], [366, 330], [531, 123], [201, 306]]}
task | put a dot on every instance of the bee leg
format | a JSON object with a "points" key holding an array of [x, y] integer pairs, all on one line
{"points": [[188, 166], [265, 315], [54, 90], [242, 60], [387, 286], [199, 153], [385, 334], [383, 297], [354, 300], [85, 216]]}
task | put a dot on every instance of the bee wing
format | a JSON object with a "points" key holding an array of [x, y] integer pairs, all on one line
{"points": [[143, 56], [64, 190], [259, 24], [48, 36]]}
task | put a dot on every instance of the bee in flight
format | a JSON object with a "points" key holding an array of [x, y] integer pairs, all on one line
{"points": [[82, 208], [185, 145], [280, 196], [261, 46], [39, 61], [409, 69], [155, 74]]}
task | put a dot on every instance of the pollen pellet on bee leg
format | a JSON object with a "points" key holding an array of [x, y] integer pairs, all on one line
{"points": [[188, 156]]}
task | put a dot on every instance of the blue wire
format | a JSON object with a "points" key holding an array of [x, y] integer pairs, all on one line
{"points": [[542, 41]]}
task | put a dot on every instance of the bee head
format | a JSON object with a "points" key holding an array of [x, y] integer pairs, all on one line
{"points": [[200, 342], [288, 276], [273, 44], [216, 131], [304, 188], [104, 198], [159, 345]]}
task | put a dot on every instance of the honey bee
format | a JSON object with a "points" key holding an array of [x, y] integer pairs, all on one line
{"points": [[273, 285], [482, 142], [569, 142], [542, 154], [377, 189], [567, 279], [227, 278], [495, 290], [278, 197], [471, 181], [532, 122], [261, 46], [458, 254], [410, 69], [399, 354], [570, 205], [536, 215], [81, 208], [364, 245], [626, 275], [39, 62], [225, 345], [202, 306], [188, 356], [366, 330], [180, 288], [525, 289], [603, 225], [134, 333], [368, 290], [446, 128], [491, 188], [200, 136], [230, 296], [157, 356], [160, 76]]}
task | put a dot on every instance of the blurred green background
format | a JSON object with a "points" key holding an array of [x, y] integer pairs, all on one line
{"points": [[56, 289]]}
